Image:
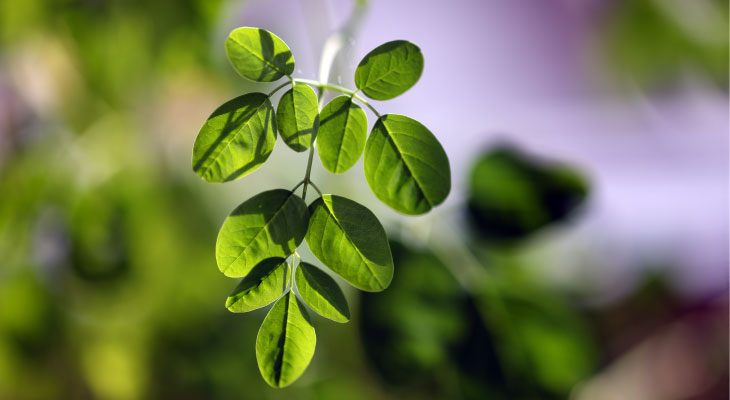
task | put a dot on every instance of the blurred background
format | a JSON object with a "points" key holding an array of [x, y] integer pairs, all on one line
{"points": [[582, 253]]}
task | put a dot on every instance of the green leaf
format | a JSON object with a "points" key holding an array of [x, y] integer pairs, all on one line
{"points": [[258, 54], [342, 134], [270, 224], [297, 117], [389, 70], [405, 165], [512, 194], [350, 241], [236, 139], [285, 343], [321, 293], [266, 282]]}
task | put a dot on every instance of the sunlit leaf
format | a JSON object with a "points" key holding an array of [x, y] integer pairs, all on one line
{"points": [[342, 134], [350, 241], [405, 165], [270, 224], [389, 70], [285, 343], [297, 117], [266, 282], [258, 54], [321, 293], [236, 139]]}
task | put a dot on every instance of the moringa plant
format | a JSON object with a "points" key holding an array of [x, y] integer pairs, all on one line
{"points": [[405, 166]]}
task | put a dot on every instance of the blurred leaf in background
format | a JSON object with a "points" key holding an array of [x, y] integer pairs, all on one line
{"points": [[512, 194], [656, 41]]}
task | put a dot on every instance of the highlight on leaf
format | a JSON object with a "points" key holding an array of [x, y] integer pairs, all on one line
{"points": [[258, 54], [285, 342], [270, 224], [389, 70], [405, 165], [266, 282], [342, 134], [321, 293], [236, 139], [297, 117], [349, 240]]}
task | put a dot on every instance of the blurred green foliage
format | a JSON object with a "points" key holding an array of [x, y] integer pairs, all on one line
{"points": [[512, 194], [655, 41], [107, 272]]}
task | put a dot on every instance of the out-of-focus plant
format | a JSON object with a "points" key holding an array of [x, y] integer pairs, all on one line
{"points": [[654, 41], [496, 333], [405, 167]]}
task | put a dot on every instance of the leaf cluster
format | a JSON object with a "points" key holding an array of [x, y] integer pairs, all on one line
{"points": [[404, 164]]}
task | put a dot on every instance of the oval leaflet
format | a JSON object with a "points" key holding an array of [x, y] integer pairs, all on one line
{"points": [[265, 283], [258, 54], [342, 134], [389, 70], [405, 165], [285, 342], [350, 241], [321, 293], [297, 117], [236, 139], [270, 224]]}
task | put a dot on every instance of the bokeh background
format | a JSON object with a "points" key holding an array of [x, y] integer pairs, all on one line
{"points": [[582, 253]]}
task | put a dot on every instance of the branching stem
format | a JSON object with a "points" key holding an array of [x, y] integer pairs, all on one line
{"points": [[352, 93]]}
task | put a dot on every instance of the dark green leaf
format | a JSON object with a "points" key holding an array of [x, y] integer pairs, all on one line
{"points": [[342, 134], [270, 224], [236, 139], [389, 70], [350, 241], [264, 284], [321, 293], [297, 117], [258, 54], [405, 165], [285, 343], [512, 194]]}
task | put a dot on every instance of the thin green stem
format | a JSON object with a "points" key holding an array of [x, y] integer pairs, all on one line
{"points": [[352, 93], [316, 188], [297, 186], [290, 82], [309, 170]]}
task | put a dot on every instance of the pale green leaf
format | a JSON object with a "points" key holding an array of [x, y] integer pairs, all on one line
{"points": [[389, 70], [342, 134], [297, 117], [405, 165], [321, 293], [266, 282], [350, 241], [270, 224], [285, 343], [258, 54], [236, 139]]}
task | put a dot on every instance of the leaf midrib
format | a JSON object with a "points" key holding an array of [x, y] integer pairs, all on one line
{"points": [[382, 77], [240, 295], [247, 246], [405, 163], [211, 160], [342, 138], [357, 250], [253, 53], [279, 362]]}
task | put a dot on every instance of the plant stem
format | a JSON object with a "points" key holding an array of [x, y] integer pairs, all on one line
{"points": [[340, 89], [309, 170], [291, 81]]}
